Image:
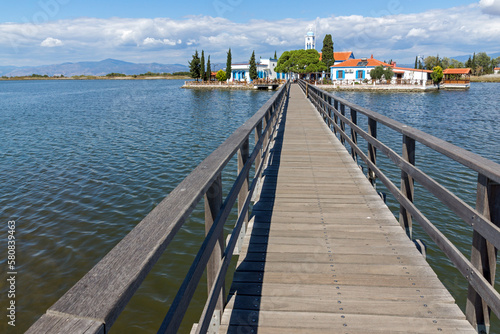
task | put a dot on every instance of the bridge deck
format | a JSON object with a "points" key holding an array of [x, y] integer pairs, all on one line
{"points": [[324, 254]]}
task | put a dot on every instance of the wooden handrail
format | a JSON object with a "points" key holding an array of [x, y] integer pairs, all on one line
{"points": [[484, 219], [93, 304]]}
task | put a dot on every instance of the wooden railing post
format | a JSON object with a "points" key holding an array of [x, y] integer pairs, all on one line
{"points": [[243, 154], [354, 135], [372, 151], [335, 118], [342, 124], [213, 204], [258, 134], [407, 187], [330, 112], [484, 254]]}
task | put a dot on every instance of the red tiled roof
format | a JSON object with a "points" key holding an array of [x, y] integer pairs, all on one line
{"points": [[457, 71], [342, 56], [411, 69], [370, 62], [497, 68]]}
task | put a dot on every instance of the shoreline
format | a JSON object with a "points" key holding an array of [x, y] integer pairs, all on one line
{"points": [[221, 86], [380, 88]]}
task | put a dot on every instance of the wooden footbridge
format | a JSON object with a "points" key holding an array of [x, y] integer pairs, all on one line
{"points": [[318, 251]]}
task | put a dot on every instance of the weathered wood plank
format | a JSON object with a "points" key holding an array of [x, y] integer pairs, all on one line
{"points": [[360, 293], [342, 304], [340, 322], [61, 324]]}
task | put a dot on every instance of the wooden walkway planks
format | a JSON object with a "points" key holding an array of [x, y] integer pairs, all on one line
{"points": [[323, 254]]}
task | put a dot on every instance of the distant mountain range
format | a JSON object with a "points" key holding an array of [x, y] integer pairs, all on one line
{"points": [[98, 68]]}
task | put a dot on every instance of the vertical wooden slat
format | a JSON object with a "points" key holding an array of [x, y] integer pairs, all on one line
{"points": [[258, 134], [484, 254], [330, 112], [243, 154], [354, 135], [335, 118], [213, 204], [407, 187], [372, 151], [342, 124]]}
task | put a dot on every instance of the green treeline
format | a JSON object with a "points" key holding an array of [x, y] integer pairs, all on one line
{"points": [[480, 63]]}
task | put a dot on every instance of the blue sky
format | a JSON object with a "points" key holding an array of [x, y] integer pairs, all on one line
{"points": [[35, 32], [236, 10]]}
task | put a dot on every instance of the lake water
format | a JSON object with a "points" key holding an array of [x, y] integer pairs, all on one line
{"points": [[82, 162]]}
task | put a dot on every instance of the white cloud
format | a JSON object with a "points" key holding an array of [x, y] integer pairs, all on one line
{"points": [[50, 42], [399, 37], [490, 6], [417, 32], [165, 41]]}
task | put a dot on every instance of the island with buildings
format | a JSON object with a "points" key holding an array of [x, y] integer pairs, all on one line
{"points": [[347, 72]]}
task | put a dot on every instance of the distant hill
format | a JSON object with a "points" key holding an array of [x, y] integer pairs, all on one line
{"points": [[92, 68]]}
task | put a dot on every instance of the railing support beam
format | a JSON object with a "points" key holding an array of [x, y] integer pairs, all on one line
{"points": [[372, 151], [407, 185], [484, 254], [213, 204], [243, 154], [354, 135]]}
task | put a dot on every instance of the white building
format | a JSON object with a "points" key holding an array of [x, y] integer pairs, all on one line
{"points": [[496, 70], [359, 69], [310, 40], [265, 70]]}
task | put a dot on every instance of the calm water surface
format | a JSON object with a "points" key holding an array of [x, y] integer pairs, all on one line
{"points": [[82, 162]]}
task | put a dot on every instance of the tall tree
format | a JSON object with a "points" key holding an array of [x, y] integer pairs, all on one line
{"points": [[473, 64], [300, 61], [194, 66], [209, 70], [327, 50], [275, 57], [416, 62], [228, 65], [483, 61], [253, 67], [202, 64]]}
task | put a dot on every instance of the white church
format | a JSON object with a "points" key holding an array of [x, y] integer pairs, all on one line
{"points": [[265, 67]]}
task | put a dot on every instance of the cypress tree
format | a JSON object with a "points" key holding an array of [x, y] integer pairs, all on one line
{"points": [[416, 62], [202, 64], [209, 70], [327, 51], [473, 63], [253, 67], [194, 66], [275, 57], [228, 65]]}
